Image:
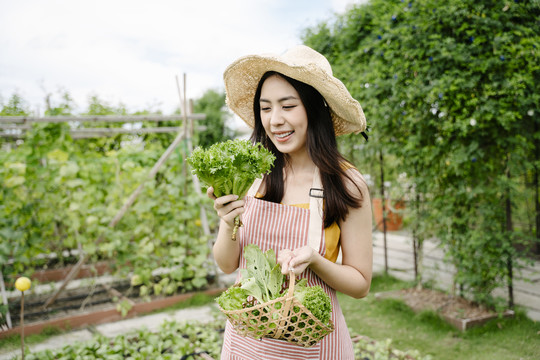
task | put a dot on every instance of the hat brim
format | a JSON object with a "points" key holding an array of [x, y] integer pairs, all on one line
{"points": [[242, 78]]}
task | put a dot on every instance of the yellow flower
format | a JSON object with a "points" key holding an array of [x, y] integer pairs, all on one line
{"points": [[23, 283]]}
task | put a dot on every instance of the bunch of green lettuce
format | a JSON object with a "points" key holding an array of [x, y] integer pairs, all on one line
{"points": [[230, 167], [315, 299]]}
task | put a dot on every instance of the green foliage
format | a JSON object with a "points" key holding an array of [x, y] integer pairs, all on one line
{"points": [[212, 104], [450, 93], [230, 167], [382, 319], [57, 196], [64, 107], [172, 340], [262, 276], [234, 298], [262, 279], [368, 349], [15, 106]]}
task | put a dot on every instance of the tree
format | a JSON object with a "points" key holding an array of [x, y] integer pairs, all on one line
{"points": [[451, 91], [16, 106], [212, 104]]}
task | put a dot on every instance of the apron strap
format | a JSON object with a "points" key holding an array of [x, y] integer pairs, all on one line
{"points": [[254, 188], [316, 196]]}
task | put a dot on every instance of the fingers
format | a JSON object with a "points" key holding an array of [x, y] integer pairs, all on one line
{"points": [[228, 207], [297, 260], [284, 258], [210, 193]]}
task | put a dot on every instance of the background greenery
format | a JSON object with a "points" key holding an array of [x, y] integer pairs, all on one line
{"points": [[451, 92], [60, 194]]}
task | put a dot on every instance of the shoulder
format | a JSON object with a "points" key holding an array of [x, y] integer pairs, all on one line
{"points": [[354, 175], [354, 180]]}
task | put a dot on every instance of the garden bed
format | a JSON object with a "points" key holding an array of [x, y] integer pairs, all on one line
{"points": [[457, 311], [90, 305]]}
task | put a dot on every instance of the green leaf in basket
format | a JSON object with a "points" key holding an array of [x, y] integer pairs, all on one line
{"points": [[262, 274], [252, 288], [275, 280]]}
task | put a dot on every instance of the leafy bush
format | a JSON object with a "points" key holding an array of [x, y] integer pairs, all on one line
{"points": [[58, 195]]}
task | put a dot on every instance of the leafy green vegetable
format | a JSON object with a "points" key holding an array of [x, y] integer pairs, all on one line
{"points": [[230, 167], [262, 276], [232, 299], [315, 299], [262, 279]]}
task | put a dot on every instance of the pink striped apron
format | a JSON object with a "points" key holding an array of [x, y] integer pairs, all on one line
{"points": [[277, 226]]}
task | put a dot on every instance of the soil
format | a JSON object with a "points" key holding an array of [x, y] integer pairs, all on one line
{"points": [[85, 299], [442, 303]]}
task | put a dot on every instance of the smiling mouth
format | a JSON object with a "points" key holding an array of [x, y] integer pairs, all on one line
{"points": [[283, 135]]}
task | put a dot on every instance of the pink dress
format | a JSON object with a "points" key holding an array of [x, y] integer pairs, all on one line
{"points": [[277, 226]]}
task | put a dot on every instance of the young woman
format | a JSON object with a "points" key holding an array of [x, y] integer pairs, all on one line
{"points": [[312, 205]]}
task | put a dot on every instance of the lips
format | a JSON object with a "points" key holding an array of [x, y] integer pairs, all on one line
{"points": [[283, 135]]}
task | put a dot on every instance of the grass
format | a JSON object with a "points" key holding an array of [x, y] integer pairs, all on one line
{"points": [[14, 341], [508, 338]]}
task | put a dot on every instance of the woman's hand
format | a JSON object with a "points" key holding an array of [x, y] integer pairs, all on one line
{"points": [[298, 259], [227, 207]]}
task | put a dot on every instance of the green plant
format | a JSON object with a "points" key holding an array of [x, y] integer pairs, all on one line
{"points": [[173, 339], [377, 319], [230, 167], [441, 84], [59, 195], [314, 299]]}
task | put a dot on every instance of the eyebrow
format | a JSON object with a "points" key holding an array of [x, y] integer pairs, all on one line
{"points": [[291, 97]]}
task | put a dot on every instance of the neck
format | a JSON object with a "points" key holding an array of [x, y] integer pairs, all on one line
{"points": [[300, 163]]}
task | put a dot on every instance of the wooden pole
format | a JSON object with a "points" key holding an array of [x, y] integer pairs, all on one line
{"points": [[4, 299], [189, 132], [22, 324], [384, 210], [96, 118], [82, 260]]}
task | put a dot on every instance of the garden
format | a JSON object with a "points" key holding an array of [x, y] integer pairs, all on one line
{"points": [[99, 208]]}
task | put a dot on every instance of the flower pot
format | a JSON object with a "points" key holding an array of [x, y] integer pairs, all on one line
{"points": [[394, 219]]}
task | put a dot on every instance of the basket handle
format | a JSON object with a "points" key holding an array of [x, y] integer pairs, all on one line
{"points": [[292, 279], [287, 305]]}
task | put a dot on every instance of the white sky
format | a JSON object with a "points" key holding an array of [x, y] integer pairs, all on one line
{"points": [[130, 51]]}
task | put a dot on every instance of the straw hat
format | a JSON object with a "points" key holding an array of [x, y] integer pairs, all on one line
{"points": [[301, 63]]}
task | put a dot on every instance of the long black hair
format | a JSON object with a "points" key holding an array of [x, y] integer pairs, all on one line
{"points": [[322, 148]]}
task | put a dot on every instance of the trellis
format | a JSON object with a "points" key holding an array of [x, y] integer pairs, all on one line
{"points": [[15, 127]]}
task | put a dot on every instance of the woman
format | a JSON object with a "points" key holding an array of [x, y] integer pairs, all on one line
{"points": [[296, 109]]}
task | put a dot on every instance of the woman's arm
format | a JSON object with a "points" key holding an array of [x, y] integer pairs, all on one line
{"points": [[353, 275], [226, 251]]}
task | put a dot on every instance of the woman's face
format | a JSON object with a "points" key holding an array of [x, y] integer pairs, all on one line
{"points": [[283, 115]]}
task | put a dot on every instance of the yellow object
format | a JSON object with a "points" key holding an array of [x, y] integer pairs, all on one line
{"points": [[23, 283]]}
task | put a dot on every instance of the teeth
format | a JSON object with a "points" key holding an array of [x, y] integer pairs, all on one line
{"points": [[283, 135]]}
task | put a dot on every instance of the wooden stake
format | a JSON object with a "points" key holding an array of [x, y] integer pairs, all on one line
{"points": [[189, 133], [82, 260], [4, 299], [22, 324]]}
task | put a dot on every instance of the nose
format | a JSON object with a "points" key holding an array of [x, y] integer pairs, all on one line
{"points": [[276, 117]]}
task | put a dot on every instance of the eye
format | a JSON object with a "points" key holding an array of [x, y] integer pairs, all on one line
{"points": [[288, 107], [266, 108]]}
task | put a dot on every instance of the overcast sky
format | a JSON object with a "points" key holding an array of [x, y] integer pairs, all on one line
{"points": [[130, 51]]}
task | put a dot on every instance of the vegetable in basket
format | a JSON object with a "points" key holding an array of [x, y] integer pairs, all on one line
{"points": [[315, 299], [262, 279]]}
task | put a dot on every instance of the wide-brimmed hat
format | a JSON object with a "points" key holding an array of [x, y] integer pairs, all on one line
{"points": [[303, 64]]}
